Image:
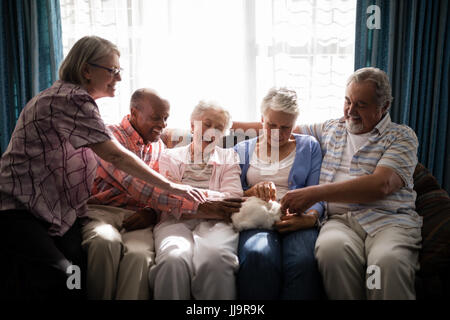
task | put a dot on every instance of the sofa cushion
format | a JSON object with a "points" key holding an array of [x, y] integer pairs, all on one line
{"points": [[433, 204]]}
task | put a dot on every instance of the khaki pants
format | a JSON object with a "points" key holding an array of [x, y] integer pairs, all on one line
{"points": [[194, 258], [355, 265], [118, 261]]}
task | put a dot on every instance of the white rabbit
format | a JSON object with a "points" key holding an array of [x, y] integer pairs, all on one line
{"points": [[256, 213]]}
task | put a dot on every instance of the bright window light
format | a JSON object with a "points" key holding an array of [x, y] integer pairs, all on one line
{"points": [[231, 51]]}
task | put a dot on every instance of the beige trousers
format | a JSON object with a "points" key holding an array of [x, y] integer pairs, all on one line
{"points": [[118, 261], [355, 265], [194, 258]]}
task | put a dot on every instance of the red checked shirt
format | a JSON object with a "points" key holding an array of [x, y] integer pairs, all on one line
{"points": [[47, 168], [116, 188]]}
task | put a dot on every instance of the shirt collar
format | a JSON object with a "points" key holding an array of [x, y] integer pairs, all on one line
{"points": [[130, 131], [384, 123]]}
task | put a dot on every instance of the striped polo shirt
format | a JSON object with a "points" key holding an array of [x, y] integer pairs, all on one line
{"points": [[389, 145]]}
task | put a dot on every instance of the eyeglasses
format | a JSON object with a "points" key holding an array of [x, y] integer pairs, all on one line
{"points": [[113, 71]]}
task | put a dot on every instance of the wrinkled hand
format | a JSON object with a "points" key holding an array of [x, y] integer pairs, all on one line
{"points": [[218, 209], [298, 200], [293, 222], [172, 179], [188, 192], [265, 190], [140, 219]]}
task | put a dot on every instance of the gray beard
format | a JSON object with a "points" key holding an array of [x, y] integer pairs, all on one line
{"points": [[354, 128]]}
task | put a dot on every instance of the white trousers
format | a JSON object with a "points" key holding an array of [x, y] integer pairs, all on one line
{"points": [[194, 259], [118, 261], [355, 265]]}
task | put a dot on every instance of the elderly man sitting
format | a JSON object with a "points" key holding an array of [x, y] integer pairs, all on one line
{"points": [[369, 246]]}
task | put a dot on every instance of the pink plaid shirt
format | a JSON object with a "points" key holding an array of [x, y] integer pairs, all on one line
{"points": [[47, 168], [116, 188]]}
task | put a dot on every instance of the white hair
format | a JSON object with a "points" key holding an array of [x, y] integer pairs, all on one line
{"points": [[203, 106], [379, 78], [280, 99]]}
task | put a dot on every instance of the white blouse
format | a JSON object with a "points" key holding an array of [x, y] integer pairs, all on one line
{"points": [[277, 172], [198, 174]]}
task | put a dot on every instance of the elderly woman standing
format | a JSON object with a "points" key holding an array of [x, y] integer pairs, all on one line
{"points": [[196, 256], [47, 172], [280, 264]]}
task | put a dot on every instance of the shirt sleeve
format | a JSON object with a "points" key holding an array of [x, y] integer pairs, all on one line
{"points": [[314, 174], [80, 122], [314, 130], [143, 192], [241, 150], [231, 180], [168, 169], [230, 184], [401, 156]]}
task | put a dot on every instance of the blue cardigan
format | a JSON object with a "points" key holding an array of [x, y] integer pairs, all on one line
{"points": [[305, 170]]}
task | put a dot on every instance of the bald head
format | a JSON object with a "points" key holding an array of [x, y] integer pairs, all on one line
{"points": [[141, 96], [149, 113]]}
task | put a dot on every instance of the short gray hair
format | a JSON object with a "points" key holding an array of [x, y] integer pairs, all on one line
{"points": [[87, 49], [280, 99], [383, 90], [204, 105]]}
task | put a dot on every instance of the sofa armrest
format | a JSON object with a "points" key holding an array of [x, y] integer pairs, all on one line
{"points": [[433, 204]]}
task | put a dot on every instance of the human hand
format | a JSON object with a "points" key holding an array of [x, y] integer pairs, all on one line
{"points": [[292, 222], [298, 200], [187, 192], [218, 209], [172, 179], [265, 190], [141, 219]]}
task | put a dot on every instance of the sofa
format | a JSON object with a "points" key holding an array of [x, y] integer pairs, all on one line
{"points": [[432, 203]]}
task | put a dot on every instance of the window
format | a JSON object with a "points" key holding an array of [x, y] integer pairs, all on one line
{"points": [[231, 51]]}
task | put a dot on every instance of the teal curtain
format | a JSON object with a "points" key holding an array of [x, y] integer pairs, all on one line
{"points": [[412, 46], [30, 54]]}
